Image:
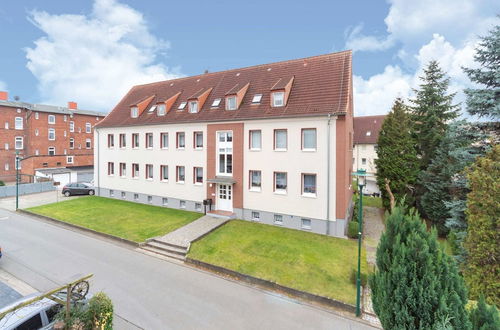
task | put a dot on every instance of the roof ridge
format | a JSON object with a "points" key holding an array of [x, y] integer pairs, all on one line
{"points": [[247, 67]]}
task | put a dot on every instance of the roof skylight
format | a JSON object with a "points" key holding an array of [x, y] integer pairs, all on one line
{"points": [[256, 98], [152, 109], [216, 103], [182, 105]]}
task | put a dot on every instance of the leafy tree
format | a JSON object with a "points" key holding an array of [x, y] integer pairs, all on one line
{"points": [[484, 317], [416, 285], [485, 101], [397, 159], [482, 272], [444, 181], [432, 109]]}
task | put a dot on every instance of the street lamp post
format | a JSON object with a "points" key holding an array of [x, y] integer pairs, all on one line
{"points": [[361, 180]]}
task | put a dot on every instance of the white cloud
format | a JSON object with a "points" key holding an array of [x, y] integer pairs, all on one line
{"points": [[446, 31], [94, 59]]}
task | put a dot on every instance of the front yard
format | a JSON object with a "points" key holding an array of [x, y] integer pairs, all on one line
{"points": [[305, 261], [132, 221]]}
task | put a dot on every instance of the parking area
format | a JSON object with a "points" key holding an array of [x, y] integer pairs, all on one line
{"points": [[25, 201], [12, 289]]}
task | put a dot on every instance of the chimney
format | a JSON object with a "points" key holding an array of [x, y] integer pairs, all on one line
{"points": [[4, 96], [72, 105]]}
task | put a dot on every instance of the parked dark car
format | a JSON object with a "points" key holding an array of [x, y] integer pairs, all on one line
{"points": [[78, 188]]}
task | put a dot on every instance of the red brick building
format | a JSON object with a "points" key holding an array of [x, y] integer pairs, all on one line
{"points": [[45, 136]]}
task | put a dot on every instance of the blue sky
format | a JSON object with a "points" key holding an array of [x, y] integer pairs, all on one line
{"points": [[92, 52]]}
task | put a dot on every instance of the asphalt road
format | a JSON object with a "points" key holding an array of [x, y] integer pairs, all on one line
{"points": [[147, 292]]}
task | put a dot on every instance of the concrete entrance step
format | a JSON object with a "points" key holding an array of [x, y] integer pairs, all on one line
{"points": [[163, 253], [222, 214], [159, 242], [167, 247]]}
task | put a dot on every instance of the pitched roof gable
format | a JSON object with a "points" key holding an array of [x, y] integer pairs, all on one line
{"points": [[367, 129], [321, 85]]}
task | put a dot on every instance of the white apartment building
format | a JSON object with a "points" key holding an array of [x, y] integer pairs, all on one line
{"points": [[270, 143], [366, 131]]}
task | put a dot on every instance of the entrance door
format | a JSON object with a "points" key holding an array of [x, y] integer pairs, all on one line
{"points": [[225, 197]]}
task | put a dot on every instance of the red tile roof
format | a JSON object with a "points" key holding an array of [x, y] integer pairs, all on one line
{"points": [[322, 84], [365, 124]]}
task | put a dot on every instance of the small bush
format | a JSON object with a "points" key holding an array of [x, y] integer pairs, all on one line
{"points": [[484, 316], [2, 183], [100, 312], [363, 277], [352, 229]]}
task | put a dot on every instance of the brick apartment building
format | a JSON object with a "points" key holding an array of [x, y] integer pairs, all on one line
{"points": [[45, 137]]}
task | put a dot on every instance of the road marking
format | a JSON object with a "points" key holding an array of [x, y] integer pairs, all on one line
{"points": [[4, 218]]}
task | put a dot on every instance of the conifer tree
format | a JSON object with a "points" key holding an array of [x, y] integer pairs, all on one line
{"points": [[432, 109], [397, 159], [485, 101], [484, 317], [416, 285], [482, 271]]}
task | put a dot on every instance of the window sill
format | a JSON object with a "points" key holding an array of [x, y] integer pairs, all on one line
{"points": [[255, 189], [199, 149], [135, 178], [309, 150], [149, 179], [180, 182], [305, 228], [256, 220], [181, 149], [111, 175], [280, 150], [255, 149], [165, 181], [198, 183], [164, 148], [123, 176], [309, 195], [149, 148], [278, 223], [280, 192]]}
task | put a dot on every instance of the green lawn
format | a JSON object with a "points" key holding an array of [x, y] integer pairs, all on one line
{"points": [[132, 221], [310, 262], [369, 201]]}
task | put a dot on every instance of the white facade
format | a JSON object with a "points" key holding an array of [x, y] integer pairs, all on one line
{"points": [[364, 156], [299, 210]]}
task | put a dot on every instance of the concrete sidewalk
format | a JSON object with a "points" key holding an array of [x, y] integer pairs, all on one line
{"points": [[190, 232], [32, 200]]}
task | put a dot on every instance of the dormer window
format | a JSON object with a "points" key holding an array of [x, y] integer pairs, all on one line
{"points": [[216, 103], [161, 109], [278, 99], [182, 106], [231, 103], [256, 98], [193, 106], [134, 112]]}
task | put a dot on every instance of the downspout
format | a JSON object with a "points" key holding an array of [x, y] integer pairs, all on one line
{"points": [[98, 161], [328, 176]]}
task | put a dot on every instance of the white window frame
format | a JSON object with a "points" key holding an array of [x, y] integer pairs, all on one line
{"points": [[195, 175], [149, 172], [72, 126], [195, 136], [251, 139], [216, 103], [122, 140], [123, 170], [111, 140], [163, 172], [71, 143], [135, 140], [50, 149], [88, 143], [37, 116], [231, 103], [308, 193], [303, 226], [181, 106], [6, 166], [182, 204], [193, 107], [18, 123], [276, 148], [135, 171], [278, 99], [111, 168], [88, 128], [6, 126], [278, 219], [178, 140], [256, 99], [251, 182], [162, 109], [69, 160], [280, 190], [6, 146], [134, 112], [37, 152], [178, 174], [65, 118], [303, 135], [163, 139], [363, 161], [227, 150], [51, 134], [149, 140], [255, 216], [53, 121], [19, 139]]}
